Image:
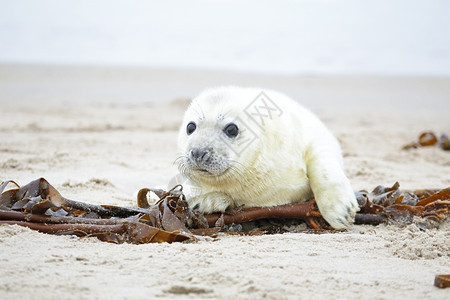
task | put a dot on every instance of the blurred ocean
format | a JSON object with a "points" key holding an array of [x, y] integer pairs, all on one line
{"points": [[382, 37]]}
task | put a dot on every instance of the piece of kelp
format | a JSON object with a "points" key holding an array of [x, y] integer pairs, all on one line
{"points": [[39, 206], [430, 206]]}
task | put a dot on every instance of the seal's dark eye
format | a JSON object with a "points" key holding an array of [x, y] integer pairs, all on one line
{"points": [[190, 128], [231, 130]]}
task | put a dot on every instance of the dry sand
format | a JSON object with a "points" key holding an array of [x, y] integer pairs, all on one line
{"points": [[100, 134]]}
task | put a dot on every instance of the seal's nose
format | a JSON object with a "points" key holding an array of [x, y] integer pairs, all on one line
{"points": [[199, 155]]}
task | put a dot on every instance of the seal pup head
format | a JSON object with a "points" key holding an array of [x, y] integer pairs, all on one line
{"points": [[212, 134]]}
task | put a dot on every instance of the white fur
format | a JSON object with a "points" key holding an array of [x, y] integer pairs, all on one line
{"points": [[291, 158]]}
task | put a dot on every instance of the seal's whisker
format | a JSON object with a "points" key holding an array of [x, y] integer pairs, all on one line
{"points": [[179, 160], [237, 173]]}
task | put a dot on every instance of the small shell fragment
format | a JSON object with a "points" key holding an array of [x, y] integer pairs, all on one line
{"points": [[427, 138], [442, 281], [444, 142]]}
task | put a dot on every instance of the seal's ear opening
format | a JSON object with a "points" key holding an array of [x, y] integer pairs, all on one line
{"points": [[231, 130], [190, 128]]}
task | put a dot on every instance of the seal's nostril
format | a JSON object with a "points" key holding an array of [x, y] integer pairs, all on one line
{"points": [[205, 155], [192, 153]]}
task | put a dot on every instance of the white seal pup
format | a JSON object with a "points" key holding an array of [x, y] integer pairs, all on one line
{"points": [[247, 147]]}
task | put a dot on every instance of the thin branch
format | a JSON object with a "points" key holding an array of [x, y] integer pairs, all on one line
{"points": [[292, 211], [71, 228], [10, 215]]}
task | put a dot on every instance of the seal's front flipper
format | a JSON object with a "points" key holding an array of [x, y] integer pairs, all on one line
{"points": [[332, 190]]}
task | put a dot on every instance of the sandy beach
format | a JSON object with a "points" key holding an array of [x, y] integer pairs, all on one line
{"points": [[100, 134]]}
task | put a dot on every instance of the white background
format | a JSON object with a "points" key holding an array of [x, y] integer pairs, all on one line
{"points": [[390, 37]]}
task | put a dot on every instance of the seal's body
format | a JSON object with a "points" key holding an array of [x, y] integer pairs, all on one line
{"points": [[251, 147]]}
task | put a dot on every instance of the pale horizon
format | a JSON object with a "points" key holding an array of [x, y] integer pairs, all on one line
{"points": [[302, 37]]}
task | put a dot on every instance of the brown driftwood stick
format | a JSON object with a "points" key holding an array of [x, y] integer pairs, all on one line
{"points": [[290, 211], [304, 211], [105, 210], [9, 215], [71, 228]]}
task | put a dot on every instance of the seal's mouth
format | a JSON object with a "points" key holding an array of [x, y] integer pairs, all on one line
{"points": [[203, 172]]}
